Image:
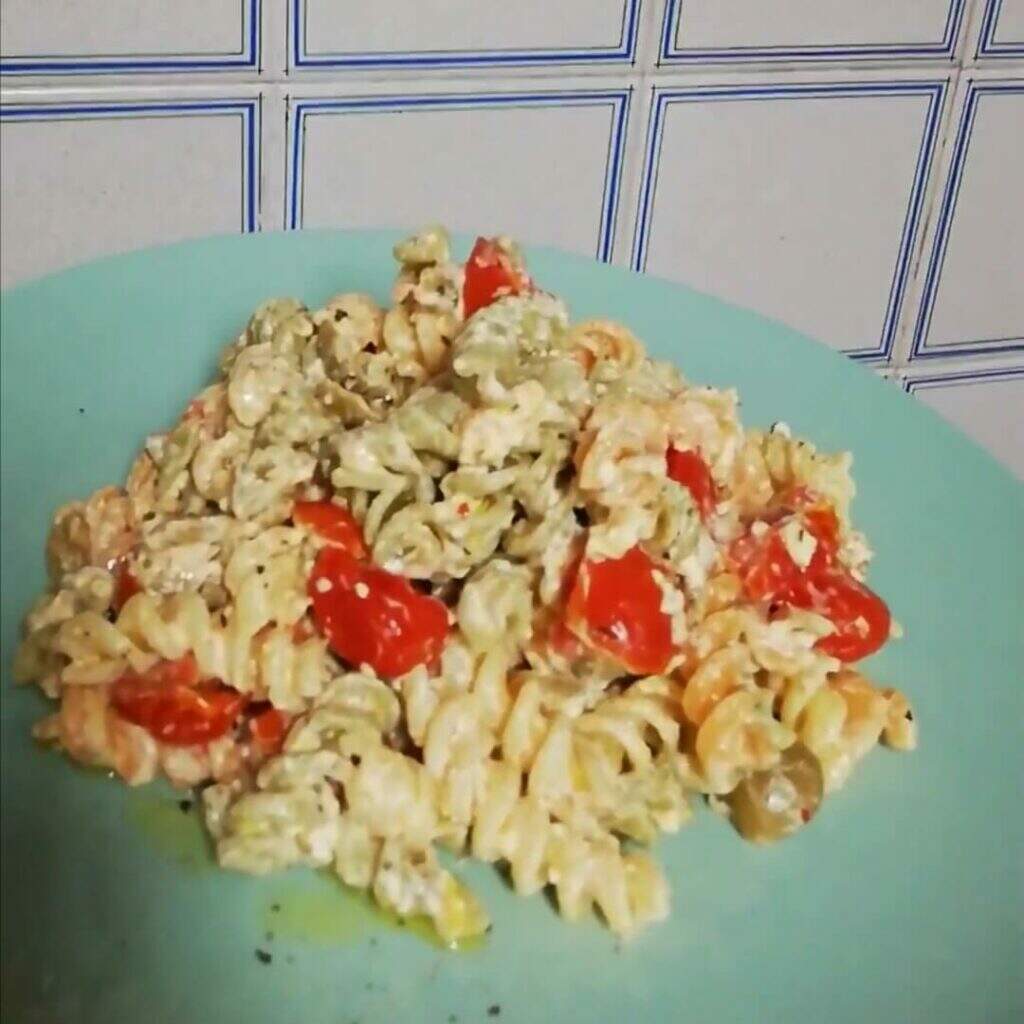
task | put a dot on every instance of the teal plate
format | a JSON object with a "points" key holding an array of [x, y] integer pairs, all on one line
{"points": [[903, 902]]}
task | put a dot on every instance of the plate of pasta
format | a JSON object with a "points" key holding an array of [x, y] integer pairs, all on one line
{"points": [[460, 588]]}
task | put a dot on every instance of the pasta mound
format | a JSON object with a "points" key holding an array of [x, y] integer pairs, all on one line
{"points": [[406, 579]]}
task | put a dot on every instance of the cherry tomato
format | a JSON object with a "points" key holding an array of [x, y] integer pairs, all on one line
{"points": [[689, 469], [333, 523], [268, 729], [616, 605], [374, 617], [125, 586], [170, 703], [489, 275], [860, 616], [767, 569]]}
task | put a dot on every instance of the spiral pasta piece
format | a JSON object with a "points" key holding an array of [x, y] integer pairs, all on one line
{"points": [[584, 872]]}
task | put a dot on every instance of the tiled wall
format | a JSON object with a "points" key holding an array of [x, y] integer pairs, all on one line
{"points": [[855, 169]]}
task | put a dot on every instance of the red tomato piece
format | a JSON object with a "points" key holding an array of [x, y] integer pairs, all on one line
{"points": [[767, 569], [125, 586], [616, 604], [861, 617], [489, 275], [268, 729], [374, 617], [170, 703], [334, 523], [689, 469]]}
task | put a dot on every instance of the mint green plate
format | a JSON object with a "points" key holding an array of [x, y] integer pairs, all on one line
{"points": [[903, 902]]}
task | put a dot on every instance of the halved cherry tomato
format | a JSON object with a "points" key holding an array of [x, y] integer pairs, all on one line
{"points": [[768, 570], [489, 275], [268, 729], [689, 469], [374, 617], [170, 703], [334, 523], [616, 605], [861, 617], [125, 586]]}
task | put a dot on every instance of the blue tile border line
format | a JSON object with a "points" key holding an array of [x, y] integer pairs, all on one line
{"points": [[945, 47], [248, 110], [617, 100], [947, 210], [933, 381], [624, 52], [988, 46], [934, 91], [246, 58]]}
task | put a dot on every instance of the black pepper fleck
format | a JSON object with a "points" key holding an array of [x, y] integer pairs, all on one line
{"points": [[263, 956], [275, 908], [184, 806], [493, 1011], [82, 411], [909, 716]]}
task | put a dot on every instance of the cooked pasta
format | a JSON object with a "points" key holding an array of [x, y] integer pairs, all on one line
{"points": [[460, 573]]}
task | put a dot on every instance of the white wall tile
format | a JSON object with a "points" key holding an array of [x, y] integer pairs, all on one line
{"points": [[998, 31], [972, 281], [86, 179], [125, 36], [460, 33], [800, 199], [986, 402], [544, 164], [722, 31]]}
